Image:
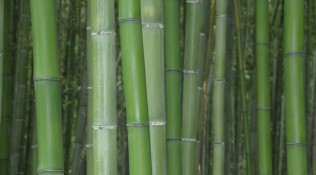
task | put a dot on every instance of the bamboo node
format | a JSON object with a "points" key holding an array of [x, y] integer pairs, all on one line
{"points": [[296, 144], [263, 109], [221, 15], [89, 87], [129, 20], [153, 25], [174, 139], [88, 28], [293, 53], [219, 143], [104, 127], [34, 146], [200, 88], [219, 80], [173, 69], [190, 71], [192, 1], [103, 33], [157, 123], [49, 171], [1, 54], [188, 139], [137, 124], [88, 145], [46, 79], [202, 34]]}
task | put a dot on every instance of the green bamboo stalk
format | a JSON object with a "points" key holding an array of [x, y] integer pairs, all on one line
{"points": [[7, 88], [89, 145], [47, 88], [135, 87], [20, 86], [153, 40], [294, 86], [219, 88], [1, 50], [190, 84], [241, 70], [173, 78], [32, 158], [263, 87], [104, 87]]}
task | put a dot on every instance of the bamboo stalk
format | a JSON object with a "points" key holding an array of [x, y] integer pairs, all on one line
{"points": [[104, 87], [173, 85], [7, 88], [89, 145], [153, 40], [190, 83], [241, 69], [20, 86], [219, 88], [47, 88], [263, 88], [294, 86], [135, 87]]}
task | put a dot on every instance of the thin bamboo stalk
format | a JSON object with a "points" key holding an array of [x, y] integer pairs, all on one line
{"points": [[104, 87], [173, 83], [1, 50], [135, 87], [190, 84], [47, 88], [219, 89], [294, 86], [20, 86], [7, 88], [263, 88], [153, 40], [241, 69], [89, 145]]}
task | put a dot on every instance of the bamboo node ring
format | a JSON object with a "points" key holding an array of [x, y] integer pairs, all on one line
{"points": [[263, 43], [88, 28], [34, 146], [1, 54], [188, 139], [104, 127], [172, 69], [219, 143], [219, 80], [44, 171], [202, 34], [293, 53], [46, 79], [190, 71], [129, 20], [157, 123], [103, 33], [137, 124], [89, 87], [200, 88], [296, 144], [192, 1], [221, 15], [153, 25], [88, 145]]}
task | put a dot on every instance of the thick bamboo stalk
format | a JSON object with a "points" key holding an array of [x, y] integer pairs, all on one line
{"points": [[241, 69], [89, 144], [47, 88], [135, 87], [219, 88], [104, 87], [153, 40], [173, 85], [190, 84], [7, 88], [263, 88], [19, 100], [294, 86]]}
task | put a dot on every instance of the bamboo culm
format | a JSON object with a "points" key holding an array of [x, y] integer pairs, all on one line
{"points": [[263, 88], [47, 88], [135, 87], [173, 76], [104, 123], [190, 84], [153, 40], [294, 87]]}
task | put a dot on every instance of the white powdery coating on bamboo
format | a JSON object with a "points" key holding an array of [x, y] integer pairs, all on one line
{"points": [[104, 127], [189, 139], [157, 123], [192, 1], [190, 71], [153, 25], [103, 33], [1, 54]]}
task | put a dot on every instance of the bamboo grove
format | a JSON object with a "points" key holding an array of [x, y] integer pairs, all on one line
{"points": [[157, 87]]}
